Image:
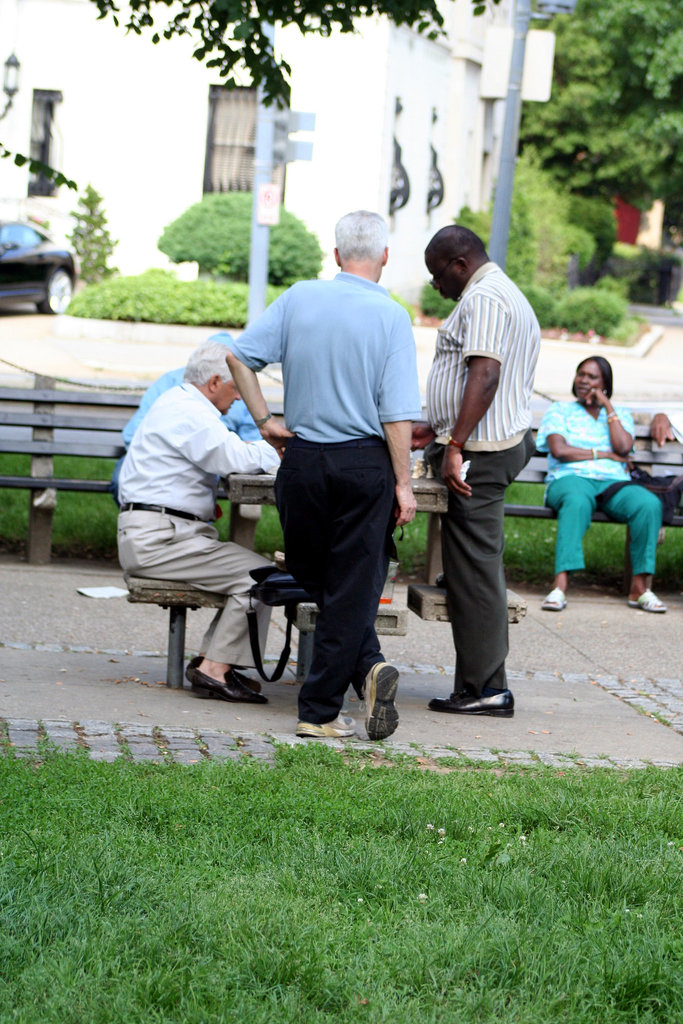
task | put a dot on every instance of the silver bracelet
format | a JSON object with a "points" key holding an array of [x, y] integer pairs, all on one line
{"points": [[264, 419]]}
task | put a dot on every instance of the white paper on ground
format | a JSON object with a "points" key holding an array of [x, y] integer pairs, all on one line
{"points": [[102, 591]]}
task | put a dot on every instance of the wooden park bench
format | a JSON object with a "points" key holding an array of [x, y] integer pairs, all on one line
{"points": [[45, 422]]}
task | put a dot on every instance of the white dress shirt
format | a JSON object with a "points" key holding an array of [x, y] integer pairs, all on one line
{"points": [[182, 449]]}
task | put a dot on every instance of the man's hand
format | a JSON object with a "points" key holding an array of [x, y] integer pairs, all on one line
{"points": [[660, 429], [407, 505], [450, 472], [422, 435], [276, 434]]}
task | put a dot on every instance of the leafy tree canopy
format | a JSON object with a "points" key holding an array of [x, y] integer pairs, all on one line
{"points": [[614, 123], [230, 33]]}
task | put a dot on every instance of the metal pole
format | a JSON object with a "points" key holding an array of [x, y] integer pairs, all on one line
{"points": [[500, 221], [263, 175]]}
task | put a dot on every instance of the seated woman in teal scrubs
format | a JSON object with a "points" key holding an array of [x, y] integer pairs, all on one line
{"points": [[589, 442]]}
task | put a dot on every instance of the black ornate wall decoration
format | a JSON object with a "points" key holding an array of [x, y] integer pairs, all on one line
{"points": [[436, 187], [400, 183]]}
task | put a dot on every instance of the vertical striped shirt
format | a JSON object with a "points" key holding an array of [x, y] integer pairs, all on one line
{"points": [[492, 319]]}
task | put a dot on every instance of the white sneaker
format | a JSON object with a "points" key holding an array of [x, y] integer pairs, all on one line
{"points": [[342, 725]]}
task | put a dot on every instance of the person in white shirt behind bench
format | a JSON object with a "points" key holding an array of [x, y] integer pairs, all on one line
{"points": [[168, 486]]}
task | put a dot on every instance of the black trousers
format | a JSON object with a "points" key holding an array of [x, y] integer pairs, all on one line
{"points": [[472, 541], [336, 506]]}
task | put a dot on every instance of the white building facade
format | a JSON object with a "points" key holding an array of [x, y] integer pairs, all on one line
{"points": [[400, 127]]}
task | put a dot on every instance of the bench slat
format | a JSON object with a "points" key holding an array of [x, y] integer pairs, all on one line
{"points": [[10, 418], [93, 449], [96, 398]]}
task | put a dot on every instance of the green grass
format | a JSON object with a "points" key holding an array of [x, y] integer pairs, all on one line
{"points": [[316, 891], [85, 526]]}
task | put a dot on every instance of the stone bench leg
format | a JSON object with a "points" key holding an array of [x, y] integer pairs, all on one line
{"points": [[176, 647], [304, 656], [243, 522]]}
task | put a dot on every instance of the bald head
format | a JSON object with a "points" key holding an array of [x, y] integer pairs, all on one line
{"points": [[452, 256], [455, 240]]}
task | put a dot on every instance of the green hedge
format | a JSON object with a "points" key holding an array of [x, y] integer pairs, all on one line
{"points": [[543, 303], [158, 297], [642, 269], [586, 309], [216, 234], [434, 304]]}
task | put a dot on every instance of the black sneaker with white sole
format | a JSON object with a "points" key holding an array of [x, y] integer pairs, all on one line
{"points": [[381, 685]]}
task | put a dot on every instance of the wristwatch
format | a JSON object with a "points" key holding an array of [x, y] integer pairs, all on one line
{"points": [[455, 444]]}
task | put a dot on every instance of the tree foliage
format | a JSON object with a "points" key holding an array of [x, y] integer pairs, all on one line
{"points": [[614, 123], [91, 239]]}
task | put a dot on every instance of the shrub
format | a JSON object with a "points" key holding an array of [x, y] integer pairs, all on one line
{"points": [[586, 309], [410, 310], [613, 284], [216, 233], [543, 303], [578, 242], [158, 297], [597, 217], [650, 274], [434, 304], [542, 237], [91, 239]]}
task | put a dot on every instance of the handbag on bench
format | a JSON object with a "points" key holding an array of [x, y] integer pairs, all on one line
{"points": [[275, 588]]}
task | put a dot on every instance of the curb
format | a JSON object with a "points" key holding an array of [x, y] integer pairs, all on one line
{"points": [[104, 741]]}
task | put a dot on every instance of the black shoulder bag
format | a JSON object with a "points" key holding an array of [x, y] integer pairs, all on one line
{"points": [[273, 587], [669, 490]]}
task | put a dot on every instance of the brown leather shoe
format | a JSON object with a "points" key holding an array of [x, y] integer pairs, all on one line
{"points": [[500, 705], [233, 689]]}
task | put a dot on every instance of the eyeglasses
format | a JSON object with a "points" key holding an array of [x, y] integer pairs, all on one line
{"points": [[437, 277]]}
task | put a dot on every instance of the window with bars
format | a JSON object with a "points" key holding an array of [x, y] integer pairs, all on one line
{"points": [[231, 141], [42, 121]]}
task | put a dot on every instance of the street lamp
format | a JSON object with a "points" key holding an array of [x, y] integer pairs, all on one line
{"points": [[10, 82], [500, 220]]}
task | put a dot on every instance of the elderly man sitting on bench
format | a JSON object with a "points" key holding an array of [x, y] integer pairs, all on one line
{"points": [[168, 485]]}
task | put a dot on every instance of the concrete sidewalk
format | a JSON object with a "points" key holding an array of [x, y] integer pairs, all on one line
{"points": [[597, 684]]}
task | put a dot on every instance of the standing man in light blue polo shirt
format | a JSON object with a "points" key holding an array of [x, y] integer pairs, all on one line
{"points": [[350, 393]]}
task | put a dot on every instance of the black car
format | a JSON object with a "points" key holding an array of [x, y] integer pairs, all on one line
{"points": [[34, 269]]}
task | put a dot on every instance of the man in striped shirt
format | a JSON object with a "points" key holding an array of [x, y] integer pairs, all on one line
{"points": [[479, 406]]}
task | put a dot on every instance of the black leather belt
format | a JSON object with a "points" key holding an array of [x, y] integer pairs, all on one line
{"points": [[137, 506]]}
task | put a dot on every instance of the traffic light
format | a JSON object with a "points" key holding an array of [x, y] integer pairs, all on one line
{"points": [[285, 122]]}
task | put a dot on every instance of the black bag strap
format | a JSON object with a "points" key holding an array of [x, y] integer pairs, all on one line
{"points": [[252, 622]]}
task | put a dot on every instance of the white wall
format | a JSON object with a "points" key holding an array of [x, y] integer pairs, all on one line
{"points": [[134, 116], [132, 123]]}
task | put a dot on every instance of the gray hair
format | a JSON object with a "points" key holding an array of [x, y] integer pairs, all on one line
{"points": [[361, 236], [206, 362]]}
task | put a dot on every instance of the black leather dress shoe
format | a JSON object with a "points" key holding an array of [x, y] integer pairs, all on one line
{"points": [[239, 677], [233, 689], [501, 705]]}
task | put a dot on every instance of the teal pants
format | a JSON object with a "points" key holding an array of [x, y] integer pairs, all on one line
{"points": [[574, 498]]}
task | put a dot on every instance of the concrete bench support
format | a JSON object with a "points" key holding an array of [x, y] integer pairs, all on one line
{"points": [[179, 597], [429, 602]]}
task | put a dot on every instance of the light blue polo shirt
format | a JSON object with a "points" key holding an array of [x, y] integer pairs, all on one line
{"points": [[348, 358]]}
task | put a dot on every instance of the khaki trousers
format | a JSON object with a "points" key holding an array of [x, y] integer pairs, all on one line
{"points": [[166, 547]]}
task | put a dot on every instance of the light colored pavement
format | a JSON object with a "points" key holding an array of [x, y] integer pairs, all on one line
{"points": [[598, 679], [136, 354]]}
